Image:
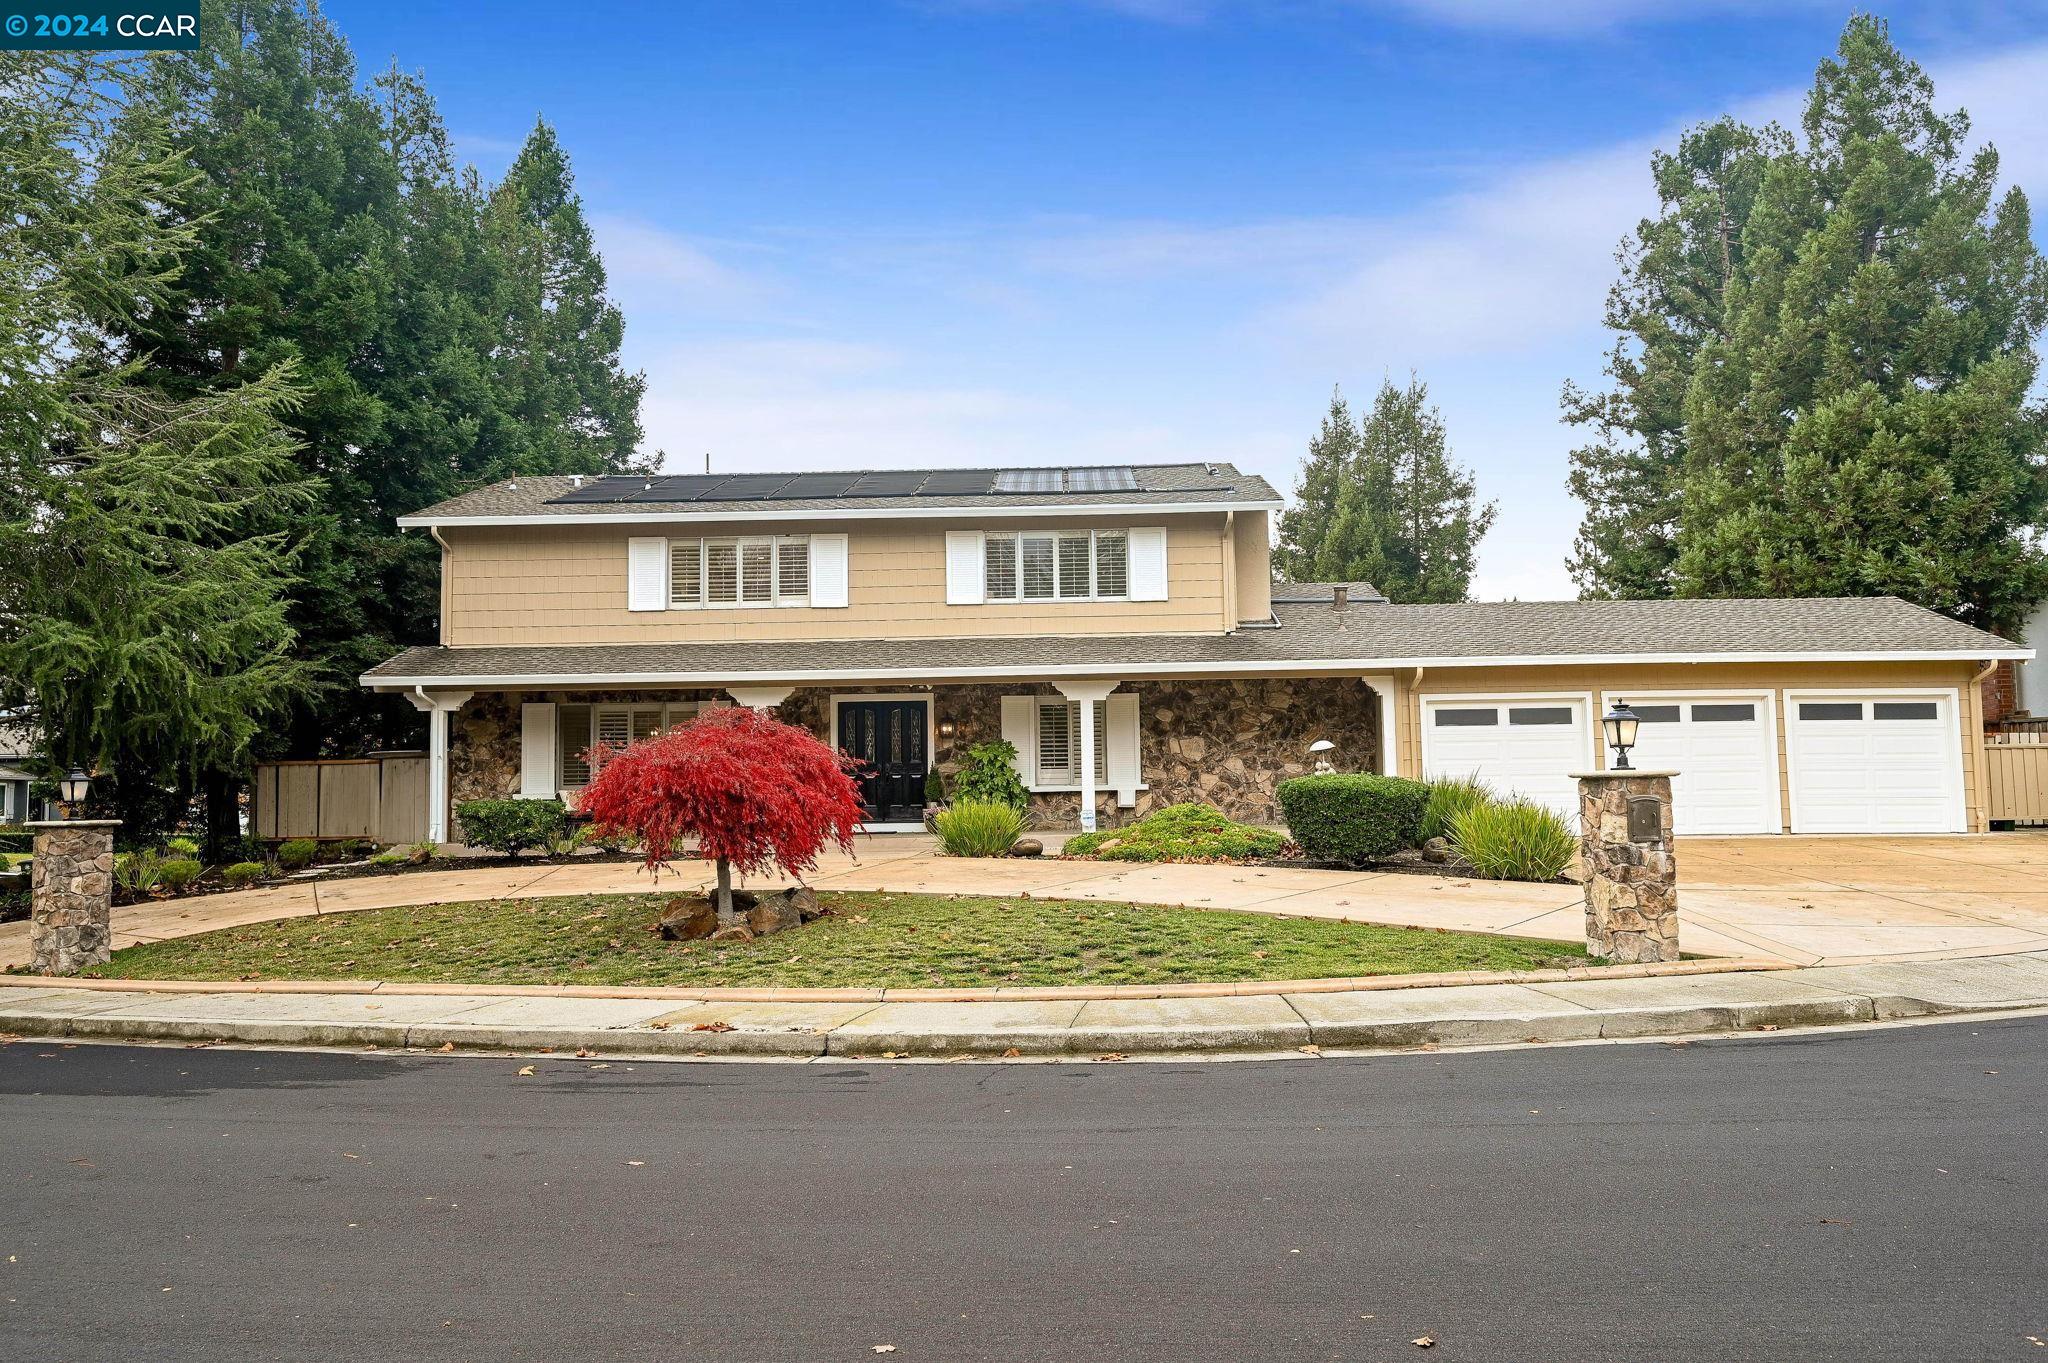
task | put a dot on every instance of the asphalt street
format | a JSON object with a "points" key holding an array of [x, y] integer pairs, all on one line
{"points": [[1871, 1195]]}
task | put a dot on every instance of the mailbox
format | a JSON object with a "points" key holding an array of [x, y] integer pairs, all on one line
{"points": [[1645, 818]]}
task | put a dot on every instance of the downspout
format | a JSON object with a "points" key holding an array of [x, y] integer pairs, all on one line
{"points": [[1981, 795], [441, 625]]}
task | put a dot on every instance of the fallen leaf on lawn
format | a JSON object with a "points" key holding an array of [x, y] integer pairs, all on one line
{"points": [[712, 1027], [525, 1071], [1424, 1342]]}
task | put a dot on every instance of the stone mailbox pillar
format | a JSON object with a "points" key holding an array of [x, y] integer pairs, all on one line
{"points": [[72, 895], [1630, 865]]}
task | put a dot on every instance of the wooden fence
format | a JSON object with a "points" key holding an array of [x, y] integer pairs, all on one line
{"points": [[382, 798], [2016, 763]]}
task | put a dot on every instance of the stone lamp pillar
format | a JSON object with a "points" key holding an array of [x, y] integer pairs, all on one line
{"points": [[1630, 864], [72, 895]]}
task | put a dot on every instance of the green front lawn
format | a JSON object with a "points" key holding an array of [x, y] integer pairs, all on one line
{"points": [[871, 940]]}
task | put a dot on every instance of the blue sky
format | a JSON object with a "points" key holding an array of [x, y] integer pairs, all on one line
{"points": [[851, 234]]}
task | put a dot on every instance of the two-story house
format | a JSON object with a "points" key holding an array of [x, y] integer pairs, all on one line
{"points": [[1120, 627]]}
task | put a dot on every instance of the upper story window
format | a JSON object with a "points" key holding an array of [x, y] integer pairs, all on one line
{"points": [[747, 570], [1070, 565]]}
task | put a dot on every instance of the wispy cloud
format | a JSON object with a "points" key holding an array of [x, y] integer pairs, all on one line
{"points": [[652, 267]]}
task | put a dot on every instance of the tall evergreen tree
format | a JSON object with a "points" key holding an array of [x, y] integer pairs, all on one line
{"points": [[1306, 524], [1675, 269], [1863, 425], [573, 406], [1407, 519], [142, 613]]}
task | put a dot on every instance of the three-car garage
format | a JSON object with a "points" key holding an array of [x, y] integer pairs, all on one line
{"points": [[1763, 760]]}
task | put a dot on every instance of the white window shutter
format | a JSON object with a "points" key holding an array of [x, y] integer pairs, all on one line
{"points": [[1148, 564], [1121, 712], [965, 569], [536, 751], [828, 570], [646, 574], [1020, 728]]}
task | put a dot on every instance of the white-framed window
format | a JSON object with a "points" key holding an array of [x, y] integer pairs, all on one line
{"points": [[578, 728], [1059, 742], [1057, 565], [741, 570]]}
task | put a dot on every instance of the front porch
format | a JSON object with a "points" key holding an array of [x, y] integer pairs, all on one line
{"points": [[1119, 748]]}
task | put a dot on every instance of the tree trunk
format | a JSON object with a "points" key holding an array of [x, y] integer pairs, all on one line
{"points": [[223, 814], [726, 917]]}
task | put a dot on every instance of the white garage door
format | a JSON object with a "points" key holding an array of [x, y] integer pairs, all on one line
{"points": [[1530, 746], [1874, 764], [1725, 754]]}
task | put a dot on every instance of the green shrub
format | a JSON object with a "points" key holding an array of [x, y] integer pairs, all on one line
{"points": [[1179, 833], [934, 788], [138, 872], [242, 874], [388, 859], [176, 874], [1450, 796], [15, 838], [1513, 840], [512, 826], [1353, 818], [181, 847], [979, 828], [989, 774], [297, 854]]}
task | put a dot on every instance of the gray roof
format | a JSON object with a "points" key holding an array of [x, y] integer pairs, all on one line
{"points": [[1362, 636], [1323, 592], [1158, 485]]}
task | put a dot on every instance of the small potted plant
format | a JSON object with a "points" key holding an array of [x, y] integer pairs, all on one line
{"points": [[934, 800]]}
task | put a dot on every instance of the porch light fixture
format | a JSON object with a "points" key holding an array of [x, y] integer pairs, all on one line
{"points": [[72, 789], [946, 728], [1620, 724], [1319, 750]]}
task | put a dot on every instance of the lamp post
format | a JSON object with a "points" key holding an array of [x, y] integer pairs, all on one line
{"points": [[1620, 724], [71, 885], [72, 790]]}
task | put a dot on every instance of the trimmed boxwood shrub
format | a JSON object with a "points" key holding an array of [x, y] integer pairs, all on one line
{"points": [[1353, 818], [512, 826], [1189, 832], [177, 874], [297, 854], [242, 874]]}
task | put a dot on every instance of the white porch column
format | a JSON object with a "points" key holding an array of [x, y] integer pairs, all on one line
{"points": [[759, 697], [1087, 693], [438, 705], [1383, 688]]}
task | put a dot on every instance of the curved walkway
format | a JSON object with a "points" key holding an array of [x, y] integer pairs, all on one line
{"points": [[1803, 901]]}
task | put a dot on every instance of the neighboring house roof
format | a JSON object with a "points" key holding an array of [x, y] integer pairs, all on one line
{"points": [[1323, 592], [1362, 637], [893, 492]]}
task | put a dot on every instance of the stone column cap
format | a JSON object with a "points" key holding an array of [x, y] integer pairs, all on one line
{"points": [[1618, 775], [72, 823]]}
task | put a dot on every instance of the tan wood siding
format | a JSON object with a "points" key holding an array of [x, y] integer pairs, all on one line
{"points": [[1252, 553], [567, 585], [1773, 678]]}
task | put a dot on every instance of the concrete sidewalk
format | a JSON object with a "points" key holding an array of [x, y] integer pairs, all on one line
{"points": [[1545, 1008]]}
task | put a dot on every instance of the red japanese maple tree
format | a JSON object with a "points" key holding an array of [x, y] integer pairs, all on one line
{"points": [[751, 790]]}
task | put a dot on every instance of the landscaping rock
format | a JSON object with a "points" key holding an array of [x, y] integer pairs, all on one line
{"points": [[806, 900], [776, 913], [738, 932], [687, 918], [1438, 852], [1027, 847]]}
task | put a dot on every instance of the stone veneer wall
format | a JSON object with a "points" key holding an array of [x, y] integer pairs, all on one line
{"points": [[1227, 743], [1631, 887]]}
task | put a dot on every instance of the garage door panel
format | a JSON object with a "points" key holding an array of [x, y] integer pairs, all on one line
{"points": [[1726, 760], [1527, 746], [1875, 764]]}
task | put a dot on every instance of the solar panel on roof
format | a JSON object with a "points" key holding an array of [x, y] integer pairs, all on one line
{"points": [[746, 487], [956, 483], [1102, 480], [817, 485], [887, 484], [1029, 480]]}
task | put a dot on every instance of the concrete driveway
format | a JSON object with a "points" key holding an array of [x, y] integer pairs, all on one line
{"points": [[1805, 900]]}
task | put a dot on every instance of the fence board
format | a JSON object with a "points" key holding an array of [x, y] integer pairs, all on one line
{"points": [[382, 798], [2016, 766], [403, 815]]}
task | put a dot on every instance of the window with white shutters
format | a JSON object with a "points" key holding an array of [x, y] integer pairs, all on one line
{"points": [[578, 728], [747, 571], [792, 567], [685, 572], [1083, 565], [1059, 743]]}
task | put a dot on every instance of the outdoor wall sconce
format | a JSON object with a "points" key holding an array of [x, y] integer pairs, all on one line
{"points": [[1320, 751], [946, 728], [1620, 724], [72, 789]]}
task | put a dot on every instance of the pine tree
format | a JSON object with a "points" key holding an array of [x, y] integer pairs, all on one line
{"points": [[1666, 305], [574, 407], [1406, 517], [142, 613], [1306, 524], [1863, 424]]}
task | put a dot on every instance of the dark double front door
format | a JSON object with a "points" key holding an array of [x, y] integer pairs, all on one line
{"points": [[888, 736]]}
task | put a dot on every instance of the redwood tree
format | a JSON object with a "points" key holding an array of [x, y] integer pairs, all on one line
{"points": [[753, 792]]}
